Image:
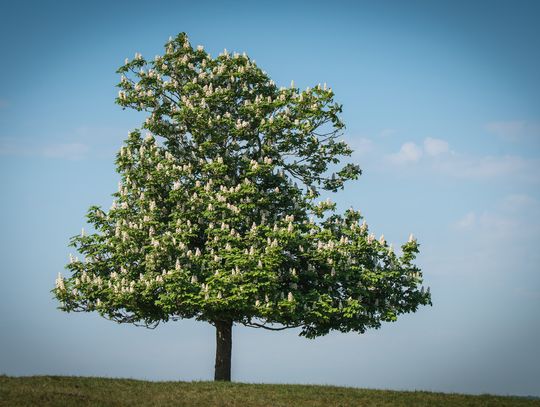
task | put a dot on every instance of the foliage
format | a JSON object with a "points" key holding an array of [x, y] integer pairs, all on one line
{"points": [[222, 220]]}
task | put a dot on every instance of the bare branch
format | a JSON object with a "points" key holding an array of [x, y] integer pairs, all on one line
{"points": [[264, 326]]}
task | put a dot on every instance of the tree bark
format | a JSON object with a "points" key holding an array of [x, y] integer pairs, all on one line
{"points": [[223, 350]]}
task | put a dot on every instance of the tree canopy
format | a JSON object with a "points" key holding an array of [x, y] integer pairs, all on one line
{"points": [[219, 215]]}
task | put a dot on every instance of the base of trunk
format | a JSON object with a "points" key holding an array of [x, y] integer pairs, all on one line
{"points": [[223, 350]]}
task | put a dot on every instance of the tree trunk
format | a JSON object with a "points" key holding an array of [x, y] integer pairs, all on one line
{"points": [[223, 350]]}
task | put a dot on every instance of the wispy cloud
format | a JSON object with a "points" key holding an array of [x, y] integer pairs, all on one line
{"points": [[387, 133], [435, 155], [486, 167], [513, 215], [361, 145], [492, 223], [518, 202], [434, 147], [466, 222], [69, 151], [515, 130], [495, 240]]}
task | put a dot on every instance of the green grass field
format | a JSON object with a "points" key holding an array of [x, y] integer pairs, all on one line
{"points": [[88, 391]]}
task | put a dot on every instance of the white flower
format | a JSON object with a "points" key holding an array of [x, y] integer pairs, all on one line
{"points": [[381, 240], [411, 238], [364, 226], [290, 297], [60, 282]]}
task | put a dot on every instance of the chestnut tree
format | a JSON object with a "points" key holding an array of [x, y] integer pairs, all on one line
{"points": [[219, 215]]}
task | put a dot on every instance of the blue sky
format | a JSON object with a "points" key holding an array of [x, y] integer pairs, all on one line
{"points": [[442, 106]]}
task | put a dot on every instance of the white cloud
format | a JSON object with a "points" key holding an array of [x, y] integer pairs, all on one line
{"points": [[409, 152], [433, 146], [458, 165]]}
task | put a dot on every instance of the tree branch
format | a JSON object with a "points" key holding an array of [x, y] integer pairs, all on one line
{"points": [[264, 326]]}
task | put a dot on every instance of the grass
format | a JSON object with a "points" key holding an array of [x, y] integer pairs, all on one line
{"points": [[88, 391]]}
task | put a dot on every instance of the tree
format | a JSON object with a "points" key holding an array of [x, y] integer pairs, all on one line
{"points": [[219, 220]]}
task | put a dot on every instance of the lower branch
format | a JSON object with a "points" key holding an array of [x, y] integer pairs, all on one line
{"points": [[270, 328]]}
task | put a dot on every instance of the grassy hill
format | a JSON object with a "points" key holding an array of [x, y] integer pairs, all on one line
{"points": [[87, 391]]}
